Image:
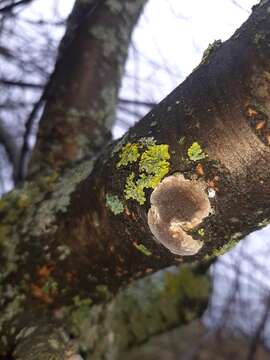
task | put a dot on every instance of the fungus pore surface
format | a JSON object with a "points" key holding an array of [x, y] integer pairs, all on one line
{"points": [[177, 206]]}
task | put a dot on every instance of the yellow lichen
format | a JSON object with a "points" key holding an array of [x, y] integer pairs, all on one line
{"points": [[153, 166], [195, 152], [129, 154]]}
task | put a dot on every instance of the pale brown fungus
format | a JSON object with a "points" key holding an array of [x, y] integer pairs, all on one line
{"points": [[177, 206]]}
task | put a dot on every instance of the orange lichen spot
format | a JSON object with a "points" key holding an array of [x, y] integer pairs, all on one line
{"points": [[127, 212], [251, 112], [70, 149], [213, 183], [200, 170], [45, 270], [260, 125], [70, 277], [38, 293]]}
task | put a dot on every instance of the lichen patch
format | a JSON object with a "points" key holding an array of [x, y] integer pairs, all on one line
{"points": [[114, 204], [195, 152], [152, 163]]}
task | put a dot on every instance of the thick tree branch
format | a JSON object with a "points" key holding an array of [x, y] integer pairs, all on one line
{"points": [[204, 150]]}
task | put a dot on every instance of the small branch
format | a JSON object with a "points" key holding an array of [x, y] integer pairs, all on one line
{"points": [[21, 84], [22, 167], [7, 140], [10, 7], [137, 102]]}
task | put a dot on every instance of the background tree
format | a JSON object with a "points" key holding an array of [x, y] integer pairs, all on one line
{"points": [[88, 230]]}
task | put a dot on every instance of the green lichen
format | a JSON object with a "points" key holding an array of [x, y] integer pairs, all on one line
{"points": [[181, 140], [129, 154], [210, 49], [64, 252], [155, 160], [153, 166], [103, 291], [145, 308], [258, 38], [11, 310], [195, 152], [225, 248], [263, 223], [80, 312], [201, 232], [78, 302], [143, 249], [107, 38], [191, 284], [114, 204], [147, 141], [134, 189], [50, 286], [23, 201], [109, 97]]}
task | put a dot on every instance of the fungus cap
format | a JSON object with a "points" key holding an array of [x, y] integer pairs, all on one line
{"points": [[177, 206]]}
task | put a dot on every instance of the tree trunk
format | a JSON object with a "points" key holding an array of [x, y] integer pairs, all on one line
{"points": [[82, 93], [182, 186]]}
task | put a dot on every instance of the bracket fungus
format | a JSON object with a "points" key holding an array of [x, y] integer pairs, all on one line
{"points": [[178, 205]]}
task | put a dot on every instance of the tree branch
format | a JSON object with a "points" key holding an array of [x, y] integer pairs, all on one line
{"points": [[22, 84]]}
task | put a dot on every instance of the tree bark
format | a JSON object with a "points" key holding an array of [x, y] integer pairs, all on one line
{"points": [[102, 225]]}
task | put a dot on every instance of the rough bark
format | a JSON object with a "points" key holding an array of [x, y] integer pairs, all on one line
{"points": [[86, 234]]}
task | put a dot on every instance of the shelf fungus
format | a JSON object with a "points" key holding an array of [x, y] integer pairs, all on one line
{"points": [[177, 206]]}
